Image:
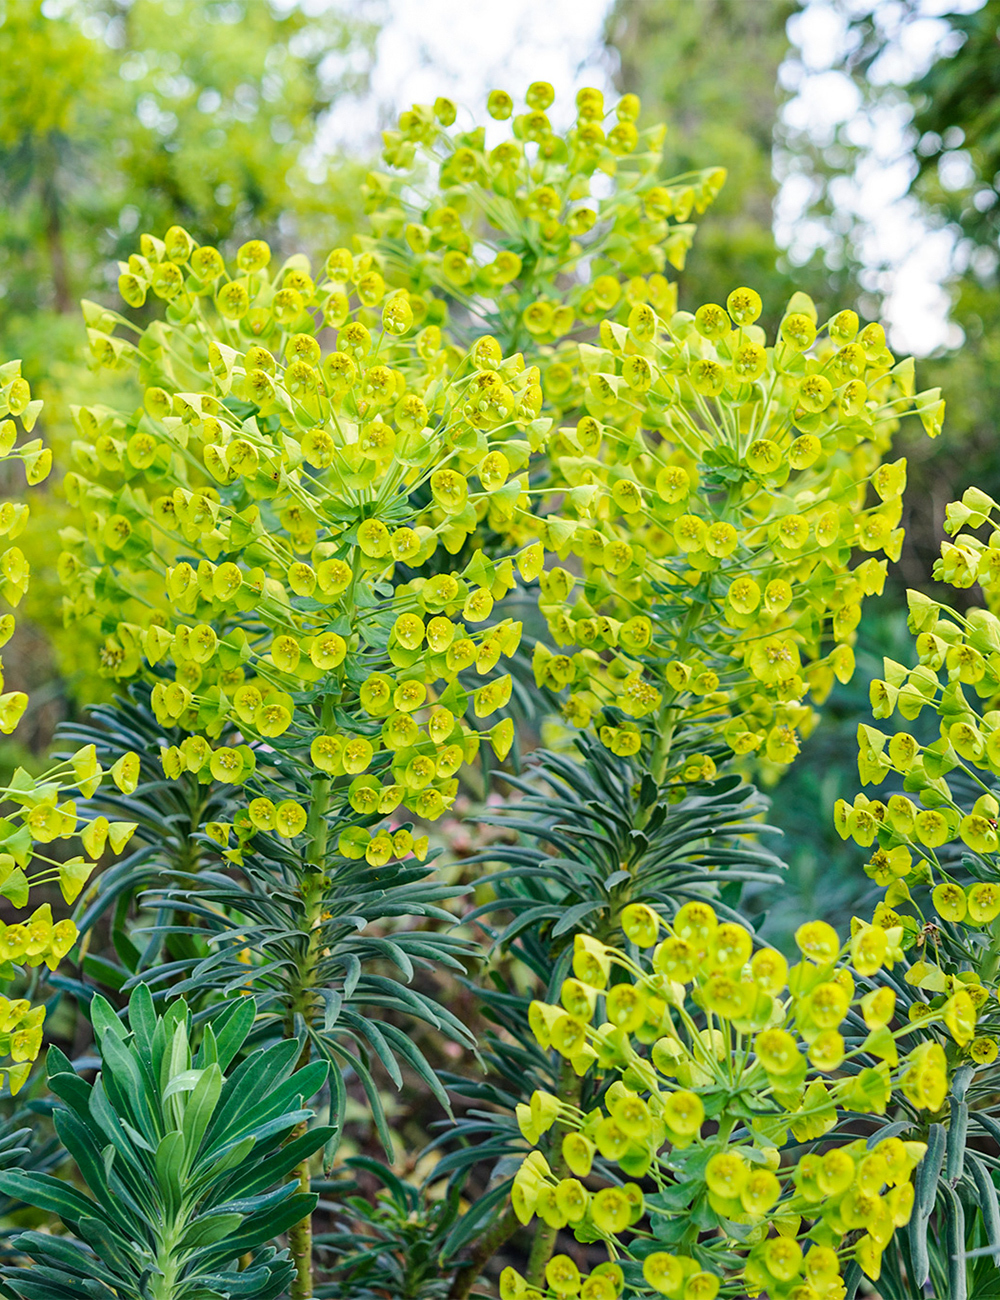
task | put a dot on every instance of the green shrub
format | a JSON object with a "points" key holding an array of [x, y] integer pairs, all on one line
{"points": [[310, 531]]}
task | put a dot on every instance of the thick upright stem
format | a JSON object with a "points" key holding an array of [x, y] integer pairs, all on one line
{"points": [[666, 720], [468, 1272], [300, 1234], [163, 1283], [303, 1003], [541, 1252], [661, 749], [545, 1236], [300, 1245]]}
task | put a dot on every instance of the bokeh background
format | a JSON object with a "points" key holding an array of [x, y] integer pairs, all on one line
{"points": [[862, 142]]}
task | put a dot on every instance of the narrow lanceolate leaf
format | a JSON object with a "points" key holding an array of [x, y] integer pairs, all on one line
{"points": [[852, 1280], [170, 1168], [954, 1237], [153, 1215], [63, 1253], [989, 1206], [925, 1186], [46, 1193], [929, 1171], [200, 1107], [958, 1132]]}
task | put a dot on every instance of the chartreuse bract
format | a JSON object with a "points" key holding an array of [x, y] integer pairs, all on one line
{"points": [[929, 825], [933, 838], [705, 485], [728, 509], [730, 1080], [41, 809], [527, 239]]}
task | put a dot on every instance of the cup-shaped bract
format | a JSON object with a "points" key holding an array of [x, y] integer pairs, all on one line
{"points": [[714, 1060]]}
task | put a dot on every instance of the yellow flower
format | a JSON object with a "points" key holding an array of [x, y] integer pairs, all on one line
{"points": [[950, 901], [983, 902]]}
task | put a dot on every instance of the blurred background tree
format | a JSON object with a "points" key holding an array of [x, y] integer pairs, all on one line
{"points": [[711, 71], [925, 77], [117, 117], [955, 151]]}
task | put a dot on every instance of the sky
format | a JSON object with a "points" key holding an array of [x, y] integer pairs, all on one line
{"points": [[906, 262], [463, 48]]}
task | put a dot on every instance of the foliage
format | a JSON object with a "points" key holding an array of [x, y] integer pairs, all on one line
{"points": [[308, 513], [398, 1245], [23, 1146], [616, 843], [185, 1159], [113, 116]]}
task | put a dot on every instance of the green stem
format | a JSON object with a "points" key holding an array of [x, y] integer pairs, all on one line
{"points": [[300, 1239], [545, 1237], [660, 759], [661, 749], [468, 1272], [300, 1234], [304, 996], [163, 1286], [541, 1252]]}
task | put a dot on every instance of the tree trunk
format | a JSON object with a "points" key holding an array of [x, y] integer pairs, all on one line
{"points": [[55, 242]]}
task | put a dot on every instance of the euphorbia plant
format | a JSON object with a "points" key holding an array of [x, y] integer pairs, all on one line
{"points": [[930, 827], [305, 524], [42, 809], [706, 486], [185, 1154], [719, 494]]}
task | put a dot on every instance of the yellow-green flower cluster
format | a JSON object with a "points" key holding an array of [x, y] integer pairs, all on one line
{"points": [[958, 658], [718, 1052], [40, 809], [41, 815], [934, 843], [20, 1022], [269, 535], [716, 489], [705, 491], [267, 520], [526, 235]]}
